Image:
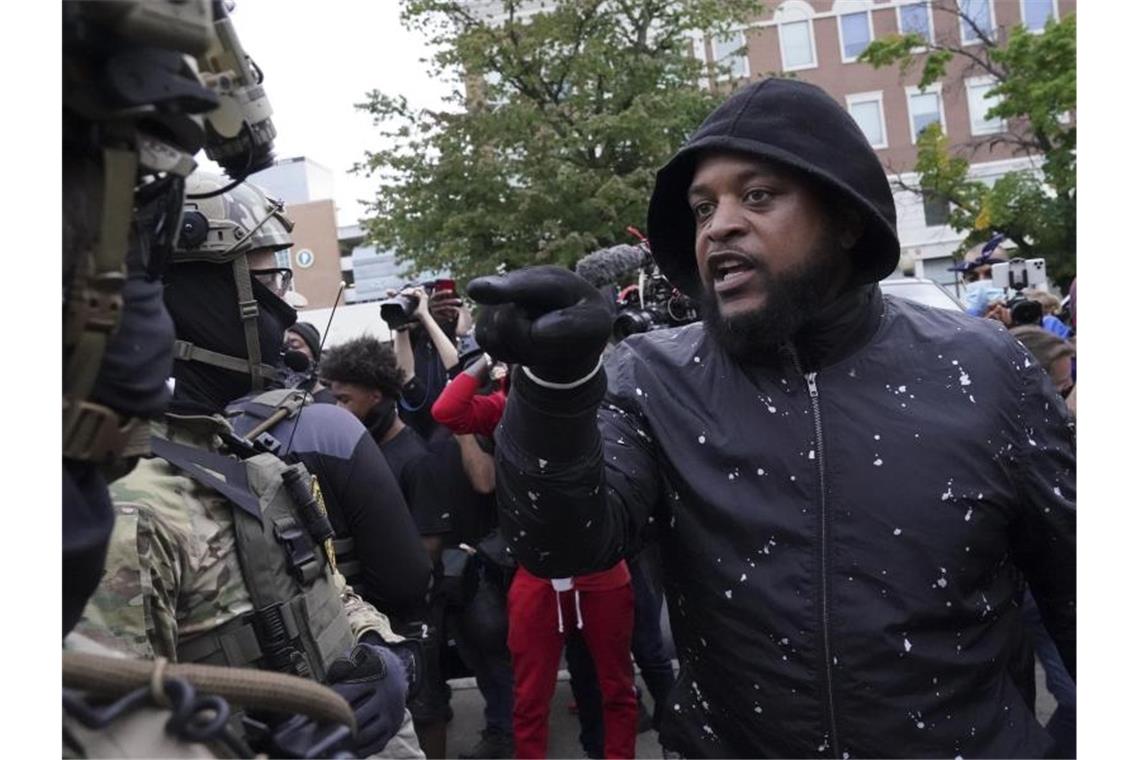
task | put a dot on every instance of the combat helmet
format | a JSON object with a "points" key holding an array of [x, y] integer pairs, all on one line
{"points": [[223, 224]]}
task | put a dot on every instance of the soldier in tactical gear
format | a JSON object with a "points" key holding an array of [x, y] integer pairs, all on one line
{"points": [[221, 554], [133, 106]]}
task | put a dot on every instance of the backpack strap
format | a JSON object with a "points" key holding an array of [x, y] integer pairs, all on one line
{"points": [[220, 473]]}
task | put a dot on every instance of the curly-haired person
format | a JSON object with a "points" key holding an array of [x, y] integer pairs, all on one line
{"points": [[365, 379]]}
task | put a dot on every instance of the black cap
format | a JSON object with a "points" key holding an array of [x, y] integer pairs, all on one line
{"points": [[311, 335], [793, 123]]}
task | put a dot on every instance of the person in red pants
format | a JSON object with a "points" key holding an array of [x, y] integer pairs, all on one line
{"points": [[541, 612]]}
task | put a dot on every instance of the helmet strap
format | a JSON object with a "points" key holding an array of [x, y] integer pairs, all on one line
{"points": [[247, 306]]}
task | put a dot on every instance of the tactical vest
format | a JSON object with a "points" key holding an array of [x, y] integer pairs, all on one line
{"points": [[298, 624], [268, 409]]}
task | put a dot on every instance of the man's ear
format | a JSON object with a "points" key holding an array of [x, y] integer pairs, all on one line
{"points": [[851, 227], [375, 396]]}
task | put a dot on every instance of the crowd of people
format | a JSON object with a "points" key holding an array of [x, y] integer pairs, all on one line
{"points": [[861, 510]]}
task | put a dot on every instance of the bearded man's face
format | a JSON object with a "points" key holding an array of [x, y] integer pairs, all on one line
{"points": [[767, 249]]}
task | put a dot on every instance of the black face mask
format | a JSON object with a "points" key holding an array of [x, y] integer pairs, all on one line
{"points": [[380, 420], [202, 299]]}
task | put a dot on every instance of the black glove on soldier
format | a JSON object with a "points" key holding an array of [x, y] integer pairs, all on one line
{"points": [[371, 679], [545, 318]]}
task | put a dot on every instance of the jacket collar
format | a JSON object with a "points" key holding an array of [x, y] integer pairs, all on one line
{"points": [[841, 329]]}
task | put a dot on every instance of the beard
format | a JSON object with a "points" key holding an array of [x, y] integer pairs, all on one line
{"points": [[793, 299]]}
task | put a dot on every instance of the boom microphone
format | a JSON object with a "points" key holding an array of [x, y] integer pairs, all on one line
{"points": [[610, 265]]}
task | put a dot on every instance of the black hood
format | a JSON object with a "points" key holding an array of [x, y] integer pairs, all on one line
{"points": [[796, 124]]}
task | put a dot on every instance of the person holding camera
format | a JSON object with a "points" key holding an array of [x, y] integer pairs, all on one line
{"points": [[851, 489], [464, 480]]}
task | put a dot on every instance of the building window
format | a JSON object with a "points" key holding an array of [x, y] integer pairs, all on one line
{"points": [[854, 34], [981, 14], [915, 18], [797, 43], [729, 50], [936, 210], [1034, 13], [980, 103], [925, 109], [866, 108]]}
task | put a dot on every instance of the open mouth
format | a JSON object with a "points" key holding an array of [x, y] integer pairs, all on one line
{"points": [[729, 271]]}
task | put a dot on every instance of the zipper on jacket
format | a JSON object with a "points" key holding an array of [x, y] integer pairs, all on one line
{"points": [[813, 392]]}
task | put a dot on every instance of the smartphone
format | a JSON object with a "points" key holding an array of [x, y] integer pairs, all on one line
{"points": [[1018, 274]]}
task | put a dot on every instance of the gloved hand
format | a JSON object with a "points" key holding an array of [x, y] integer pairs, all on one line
{"points": [[545, 318], [371, 679]]}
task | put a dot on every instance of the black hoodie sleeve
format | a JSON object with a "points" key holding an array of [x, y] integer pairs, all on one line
{"points": [[577, 478], [1044, 537]]}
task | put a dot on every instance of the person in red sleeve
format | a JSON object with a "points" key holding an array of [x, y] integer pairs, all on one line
{"points": [[542, 612], [460, 407]]}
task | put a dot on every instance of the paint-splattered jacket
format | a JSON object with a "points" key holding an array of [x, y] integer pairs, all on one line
{"points": [[844, 550]]}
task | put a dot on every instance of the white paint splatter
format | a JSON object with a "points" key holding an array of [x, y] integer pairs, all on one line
{"points": [[638, 391], [969, 514], [743, 577], [941, 582], [964, 378], [757, 709], [542, 464], [902, 389], [878, 437], [760, 471], [906, 643], [1057, 490], [771, 409], [898, 531], [878, 462], [701, 438], [811, 454], [696, 360], [793, 477], [728, 594]]}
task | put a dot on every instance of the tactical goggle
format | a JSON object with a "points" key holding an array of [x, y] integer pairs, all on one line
{"points": [[277, 279]]}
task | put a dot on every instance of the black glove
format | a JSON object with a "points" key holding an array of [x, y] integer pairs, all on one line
{"points": [[371, 679], [303, 737], [545, 318]]}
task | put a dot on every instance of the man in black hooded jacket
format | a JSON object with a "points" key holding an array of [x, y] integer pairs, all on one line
{"points": [[851, 489]]}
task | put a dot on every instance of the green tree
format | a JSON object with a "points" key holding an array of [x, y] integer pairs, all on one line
{"points": [[551, 149], [1035, 92]]}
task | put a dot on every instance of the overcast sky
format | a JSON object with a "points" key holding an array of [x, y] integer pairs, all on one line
{"points": [[319, 59]]}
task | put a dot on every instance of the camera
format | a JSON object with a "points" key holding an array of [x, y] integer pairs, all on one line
{"points": [[1017, 275], [653, 304], [399, 310]]}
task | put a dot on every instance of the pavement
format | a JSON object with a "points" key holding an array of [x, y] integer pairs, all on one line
{"points": [[463, 731]]}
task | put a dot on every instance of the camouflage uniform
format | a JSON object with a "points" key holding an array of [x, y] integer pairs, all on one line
{"points": [[172, 568]]}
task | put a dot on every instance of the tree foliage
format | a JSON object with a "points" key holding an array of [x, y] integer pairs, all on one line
{"points": [[1035, 92], [551, 149]]}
